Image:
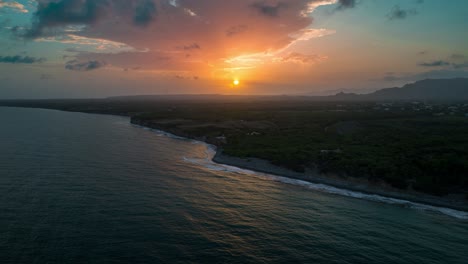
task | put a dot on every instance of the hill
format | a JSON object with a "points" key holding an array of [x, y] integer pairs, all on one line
{"points": [[425, 90]]}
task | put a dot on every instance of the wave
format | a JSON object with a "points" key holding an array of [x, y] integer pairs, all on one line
{"points": [[160, 133], [207, 162]]}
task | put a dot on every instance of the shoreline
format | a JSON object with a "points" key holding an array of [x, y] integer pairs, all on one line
{"points": [[312, 176], [349, 184]]}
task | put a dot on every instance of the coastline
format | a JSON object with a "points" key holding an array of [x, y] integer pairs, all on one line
{"points": [[313, 176], [310, 176], [350, 184]]}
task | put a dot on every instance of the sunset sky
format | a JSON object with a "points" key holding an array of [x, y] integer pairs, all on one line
{"points": [[98, 48]]}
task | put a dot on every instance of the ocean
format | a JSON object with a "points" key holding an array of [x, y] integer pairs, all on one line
{"points": [[84, 188]]}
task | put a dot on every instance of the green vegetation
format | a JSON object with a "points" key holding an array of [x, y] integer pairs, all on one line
{"points": [[406, 149], [408, 145]]}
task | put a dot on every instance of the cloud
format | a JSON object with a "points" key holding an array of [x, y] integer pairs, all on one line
{"points": [[145, 12], [101, 45], [234, 30], [66, 12], [13, 5], [460, 65], [193, 46], [184, 77], [436, 74], [299, 58], [268, 9], [438, 63], [20, 59], [311, 33], [163, 28], [75, 65], [398, 13], [343, 4], [456, 62]]}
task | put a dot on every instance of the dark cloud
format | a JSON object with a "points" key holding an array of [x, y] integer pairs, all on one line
{"points": [[343, 4], [183, 77], [57, 13], [436, 74], [75, 65], [145, 12], [270, 10], [193, 46], [463, 65], [63, 12], [437, 63], [15, 30], [236, 30], [20, 59], [398, 13], [457, 62]]}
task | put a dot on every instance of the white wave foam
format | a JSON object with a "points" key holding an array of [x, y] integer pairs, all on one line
{"points": [[160, 133], [208, 163]]}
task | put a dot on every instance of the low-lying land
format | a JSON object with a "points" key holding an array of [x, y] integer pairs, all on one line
{"points": [[407, 146]]}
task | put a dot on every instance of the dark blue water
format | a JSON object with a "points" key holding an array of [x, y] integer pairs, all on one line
{"points": [[79, 188]]}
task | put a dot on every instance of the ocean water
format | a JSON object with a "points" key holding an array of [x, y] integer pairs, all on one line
{"points": [[81, 188]]}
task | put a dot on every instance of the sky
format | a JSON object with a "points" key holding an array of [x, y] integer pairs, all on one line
{"points": [[100, 48]]}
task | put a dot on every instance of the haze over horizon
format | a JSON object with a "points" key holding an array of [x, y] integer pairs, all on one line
{"points": [[100, 48], [234, 131]]}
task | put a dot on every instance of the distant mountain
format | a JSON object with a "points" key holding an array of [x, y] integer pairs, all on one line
{"points": [[426, 90]]}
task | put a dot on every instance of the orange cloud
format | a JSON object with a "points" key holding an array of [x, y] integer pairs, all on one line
{"points": [[182, 34]]}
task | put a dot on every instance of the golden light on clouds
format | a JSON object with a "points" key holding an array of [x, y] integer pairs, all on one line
{"points": [[189, 41]]}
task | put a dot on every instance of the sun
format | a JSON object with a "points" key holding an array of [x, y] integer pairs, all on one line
{"points": [[236, 82]]}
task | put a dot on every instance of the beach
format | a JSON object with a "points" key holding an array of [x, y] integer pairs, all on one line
{"points": [[363, 187]]}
